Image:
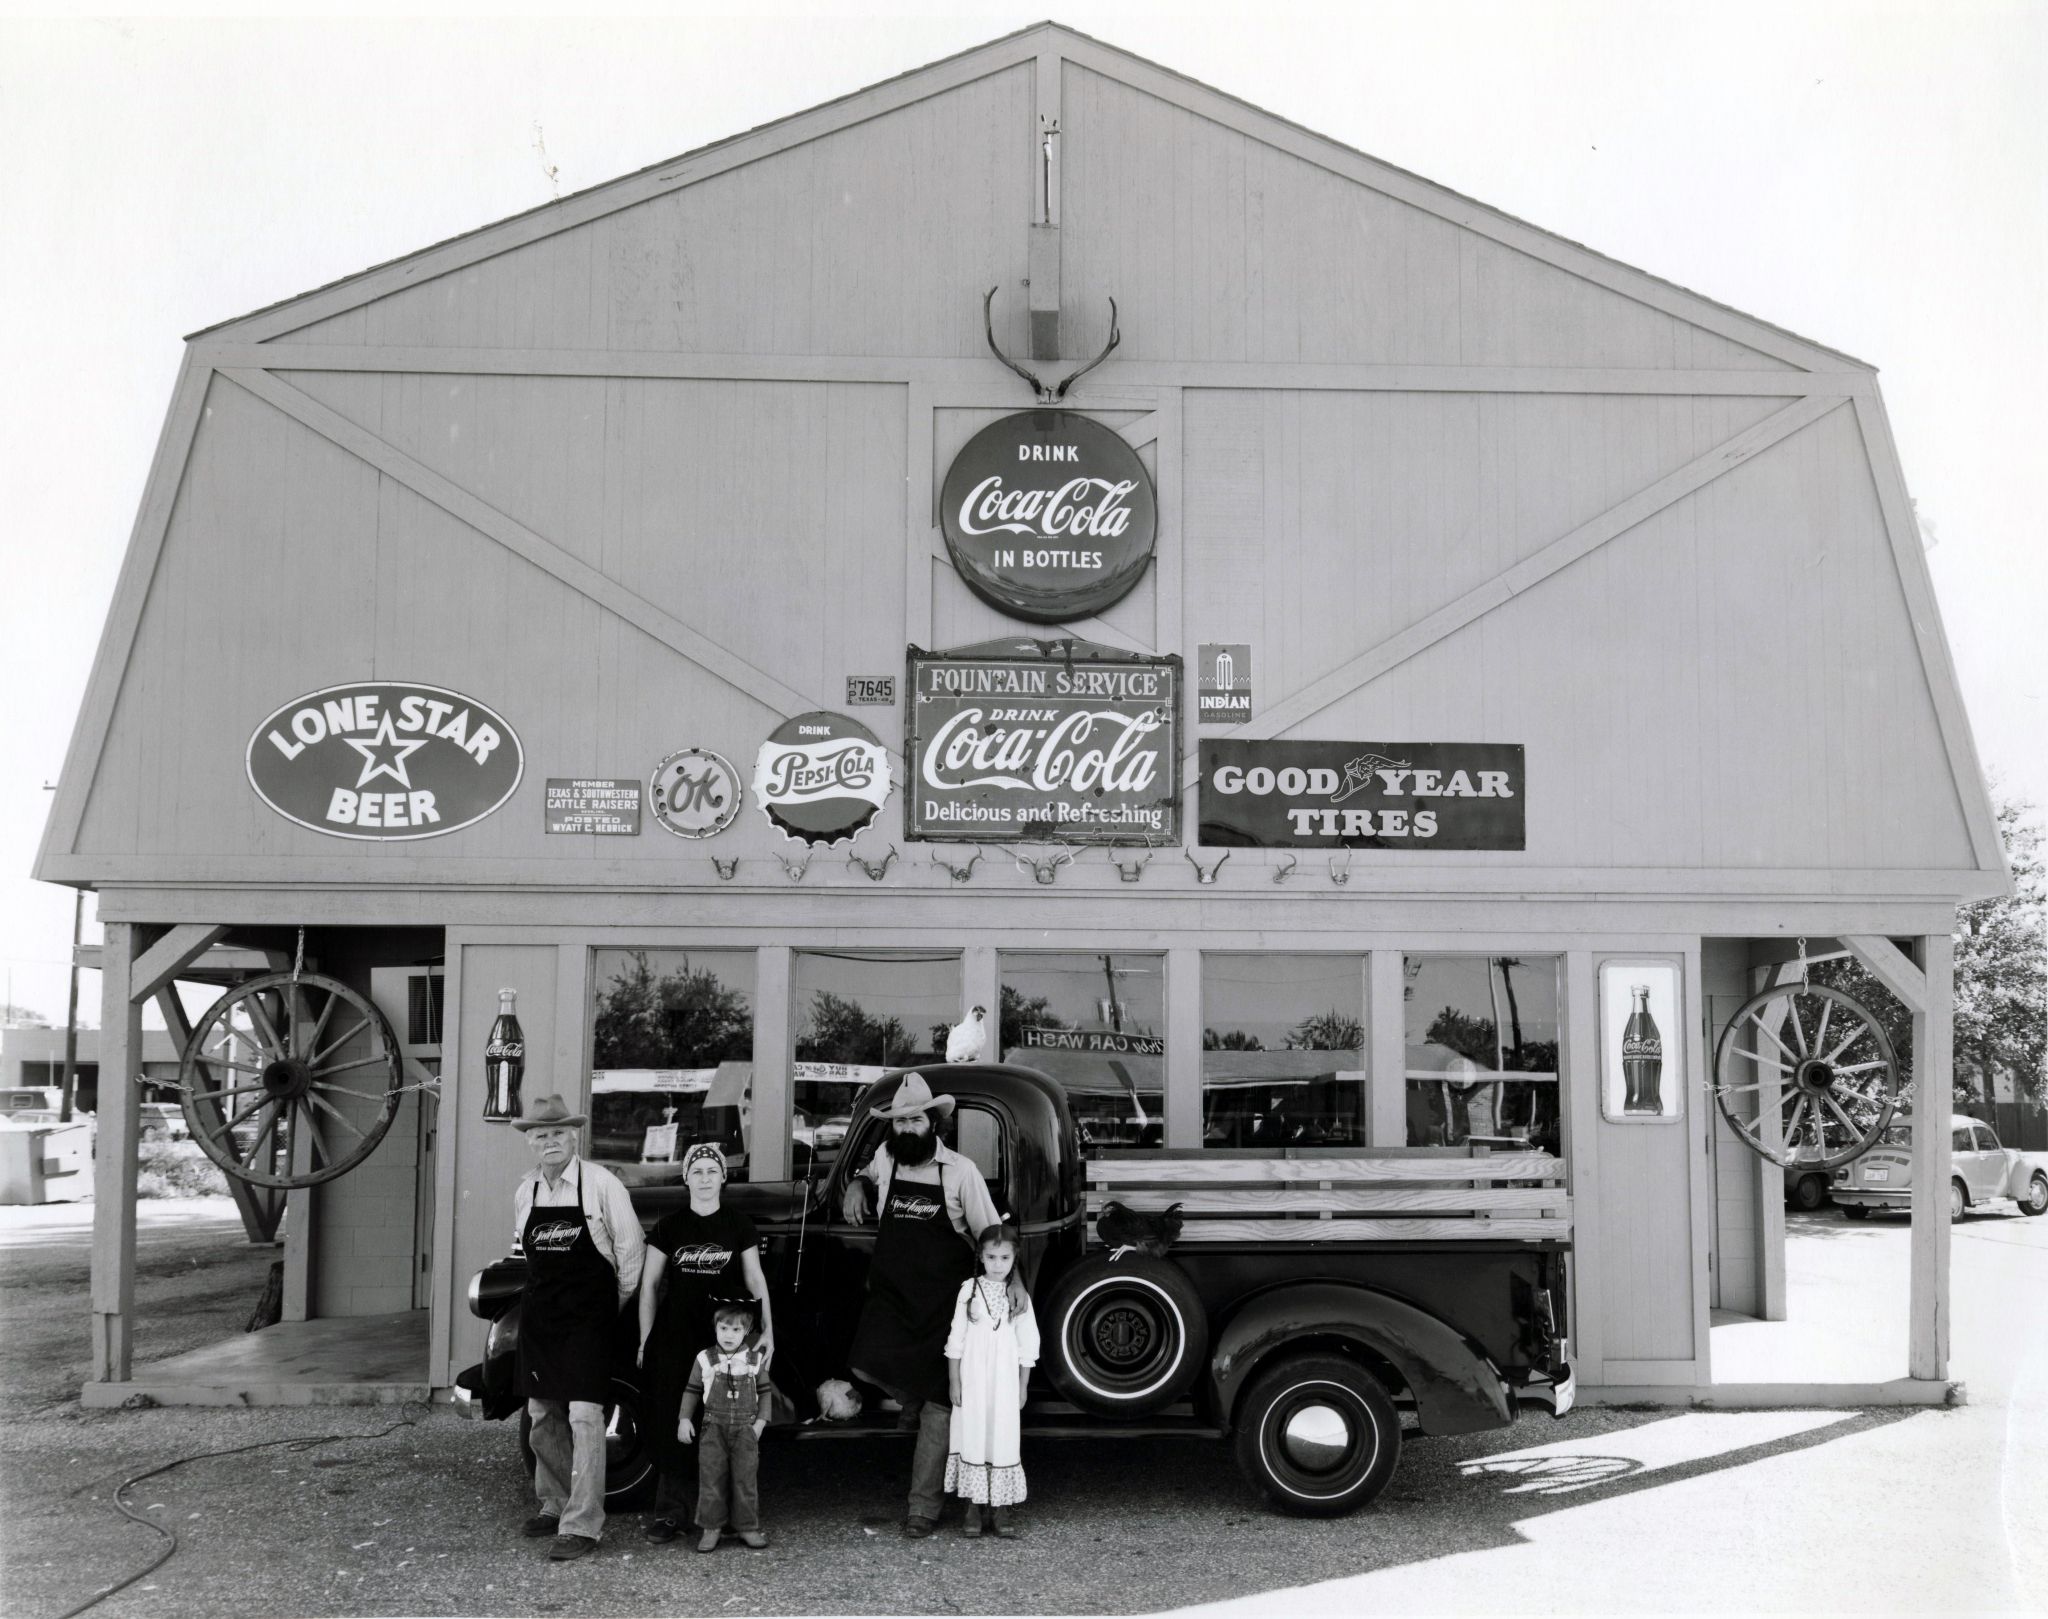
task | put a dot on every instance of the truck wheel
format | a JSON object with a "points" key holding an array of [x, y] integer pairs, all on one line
{"points": [[1124, 1337], [2036, 1200], [1318, 1436], [628, 1448], [1855, 1211]]}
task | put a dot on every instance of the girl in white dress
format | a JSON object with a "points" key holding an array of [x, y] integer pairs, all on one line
{"points": [[989, 1356]]}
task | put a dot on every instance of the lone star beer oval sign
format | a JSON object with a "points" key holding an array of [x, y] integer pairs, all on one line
{"points": [[1049, 515], [385, 760]]}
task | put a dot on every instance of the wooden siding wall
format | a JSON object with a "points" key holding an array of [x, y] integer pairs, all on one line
{"points": [[659, 468]]}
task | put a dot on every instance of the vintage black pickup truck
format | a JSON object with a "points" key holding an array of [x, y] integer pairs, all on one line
{"points": [[1314, 1307]]}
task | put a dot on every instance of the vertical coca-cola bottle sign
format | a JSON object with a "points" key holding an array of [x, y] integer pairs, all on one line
{"points": [[504, 1061], [1642, 1056]]}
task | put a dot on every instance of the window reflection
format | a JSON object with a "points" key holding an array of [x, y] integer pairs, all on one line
{"points": [[857, 1015], [672, 1059], [1283, 1051], [1467, 1019], [1095, 1023]]}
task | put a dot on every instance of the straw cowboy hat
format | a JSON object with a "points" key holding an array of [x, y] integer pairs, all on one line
{"points": [[913, 1096], [548, 1110]]}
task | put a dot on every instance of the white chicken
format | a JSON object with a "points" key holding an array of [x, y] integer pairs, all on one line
{"points": [[969, 1037]]}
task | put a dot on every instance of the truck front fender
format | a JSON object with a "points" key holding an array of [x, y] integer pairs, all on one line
{"points": [[1456, 1389]]}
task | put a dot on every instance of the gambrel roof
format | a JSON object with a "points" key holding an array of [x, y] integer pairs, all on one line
{"points": [[1441, 461]]}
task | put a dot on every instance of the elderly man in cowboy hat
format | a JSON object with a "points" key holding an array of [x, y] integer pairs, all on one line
{"points": [[931, 1204], [583, 1253]]}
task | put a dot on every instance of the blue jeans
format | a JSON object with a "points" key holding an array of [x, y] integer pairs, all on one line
{"points": [[928, 1461], [568, 1463]]}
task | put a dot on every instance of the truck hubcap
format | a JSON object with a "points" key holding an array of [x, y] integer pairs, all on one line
{"points": [[1123, 1335], [1317, 1438]]}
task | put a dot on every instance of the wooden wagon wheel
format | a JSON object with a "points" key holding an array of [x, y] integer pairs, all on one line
{"points": [[1837, 1077], [284, 1069]]}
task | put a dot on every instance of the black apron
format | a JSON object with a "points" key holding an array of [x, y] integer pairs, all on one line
{"points": [[568, 1318], [913, 1283]]}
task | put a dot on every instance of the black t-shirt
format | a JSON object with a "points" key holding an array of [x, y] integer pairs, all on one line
{"points": [[704, 1253]]}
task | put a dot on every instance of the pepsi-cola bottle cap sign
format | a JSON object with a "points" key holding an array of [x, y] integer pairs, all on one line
{"points": [[1049, 515], [820, 778]]}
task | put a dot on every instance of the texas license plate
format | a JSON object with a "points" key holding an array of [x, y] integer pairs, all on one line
{"points": [[1877, 1174]]}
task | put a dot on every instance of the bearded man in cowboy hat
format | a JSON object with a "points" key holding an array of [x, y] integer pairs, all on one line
{"points": [[931, 1203], [583, 1249]]}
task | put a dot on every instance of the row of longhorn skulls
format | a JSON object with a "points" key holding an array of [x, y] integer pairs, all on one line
{"points": [[1044, 869]]}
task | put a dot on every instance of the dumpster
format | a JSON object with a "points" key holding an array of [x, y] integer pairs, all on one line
{"points": [[45, 1163]]}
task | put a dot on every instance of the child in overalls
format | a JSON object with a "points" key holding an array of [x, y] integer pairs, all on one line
{"points": [[730, 1382]]}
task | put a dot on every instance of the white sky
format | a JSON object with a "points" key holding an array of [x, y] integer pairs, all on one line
{"points": [[1871, 176]]}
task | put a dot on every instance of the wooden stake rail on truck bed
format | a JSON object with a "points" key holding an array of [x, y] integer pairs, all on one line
{"points": [[1401, 1195]]}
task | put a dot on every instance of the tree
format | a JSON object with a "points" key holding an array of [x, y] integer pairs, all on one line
{"points": [[22, 1017], [689, 1018], [1230, 1040], [840, 1029], [2001, 975], [1327, 1031], [2002, 967], [1016, 1014]]}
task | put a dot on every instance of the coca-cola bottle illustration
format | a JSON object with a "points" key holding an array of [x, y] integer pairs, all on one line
{"points": [[504, 1061], [1642, 1056]]}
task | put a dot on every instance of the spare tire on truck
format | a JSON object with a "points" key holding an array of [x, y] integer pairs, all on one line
{"points": [[1123, 1337]]}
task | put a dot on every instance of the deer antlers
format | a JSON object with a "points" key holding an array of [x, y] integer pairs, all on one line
{"points": [[1047, 870], [1047, 395], [959, 874], [874, 870], [792, 869], [1201, 876]]}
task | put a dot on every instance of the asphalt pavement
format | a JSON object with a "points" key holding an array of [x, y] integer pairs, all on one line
{"points": [[417, 1511]]}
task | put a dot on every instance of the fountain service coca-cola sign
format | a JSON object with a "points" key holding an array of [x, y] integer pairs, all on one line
{"points": [[1048, 515], [1042, 741]]}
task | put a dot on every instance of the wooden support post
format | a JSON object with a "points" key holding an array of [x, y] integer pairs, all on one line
{"points": [[120, 1119], [1183, 1065], [1386, 1059], [1933, 1103], [768, 1154], [156, 967]]}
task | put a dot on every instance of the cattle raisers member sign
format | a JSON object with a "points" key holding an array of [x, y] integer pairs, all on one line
{"points": [[1049, 515], [384, 761], [1042, 741], [1362, 795]]}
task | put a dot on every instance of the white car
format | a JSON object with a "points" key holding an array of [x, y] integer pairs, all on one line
{"points": [[1982, 1174]]}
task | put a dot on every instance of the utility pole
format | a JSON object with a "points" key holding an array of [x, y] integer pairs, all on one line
{"points": [[71, 1014]]}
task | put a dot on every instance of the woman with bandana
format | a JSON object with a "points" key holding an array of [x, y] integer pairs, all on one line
{"points": [[697, 1258]]}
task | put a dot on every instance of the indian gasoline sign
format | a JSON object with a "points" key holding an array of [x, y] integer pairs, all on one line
{"points": [[384, 761]]}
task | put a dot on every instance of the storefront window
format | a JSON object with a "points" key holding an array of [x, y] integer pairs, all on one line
{"points": [[1096, 1023], [672, 1059], [1283, 1051], [858, 1014], [1467, 1019]]}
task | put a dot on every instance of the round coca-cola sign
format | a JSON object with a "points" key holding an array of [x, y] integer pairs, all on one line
{"points": [[384, 761], [1049, 515], [820, 778]]}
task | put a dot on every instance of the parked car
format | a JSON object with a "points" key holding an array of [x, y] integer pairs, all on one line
{"points": [[1315, 1357], [1982, 1174], [164, 1121]]}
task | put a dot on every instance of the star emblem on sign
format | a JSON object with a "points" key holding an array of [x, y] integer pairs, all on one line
{"points": [[385, 739]]}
